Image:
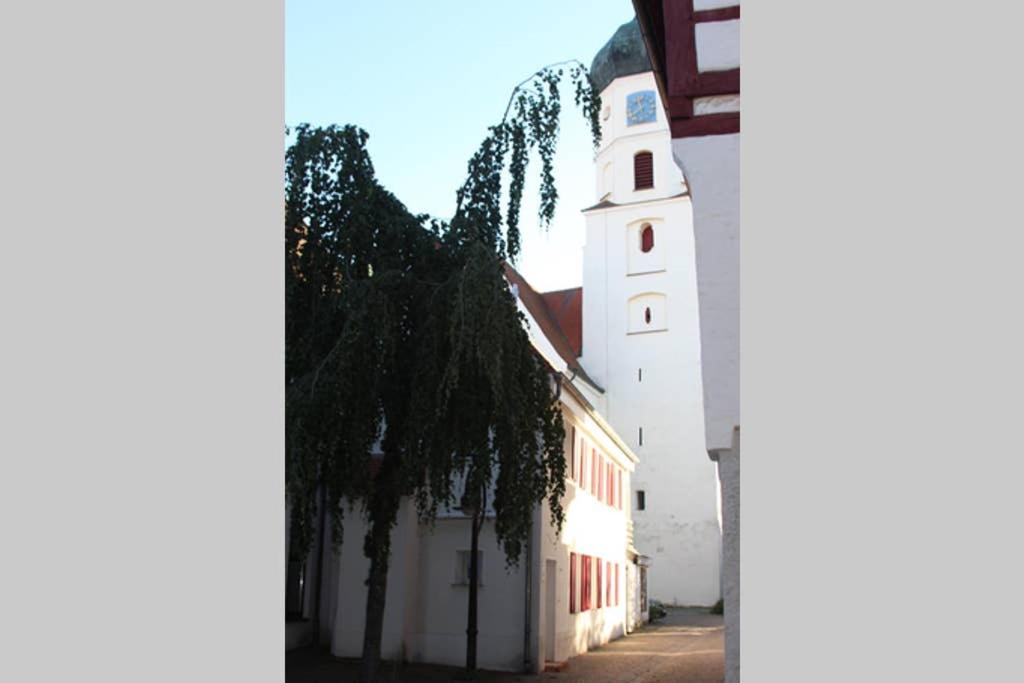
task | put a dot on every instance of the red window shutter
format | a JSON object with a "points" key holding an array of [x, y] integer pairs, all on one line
{"points": [[609, 497], [572, 455], [643, 171], [620, 489], [583, 464], [593, 471], [585, 599], [600, 478], [647, 239], [616, 583], [608, 588], [579, 464], [599, 591], [572, 583]]}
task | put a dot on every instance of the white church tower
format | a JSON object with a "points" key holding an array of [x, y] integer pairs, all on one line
{"points": [[641, 338]]}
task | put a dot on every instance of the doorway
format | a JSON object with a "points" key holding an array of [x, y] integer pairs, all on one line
{"points": [[550, 595]]}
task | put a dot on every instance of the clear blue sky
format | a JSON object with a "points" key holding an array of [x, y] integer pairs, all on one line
{"points": [[426, 78]]}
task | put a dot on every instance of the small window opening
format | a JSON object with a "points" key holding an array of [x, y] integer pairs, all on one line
{"points": [[639, 374], [641, 500], [641, 436], [647, 315], [646, 239], [463, 570]]}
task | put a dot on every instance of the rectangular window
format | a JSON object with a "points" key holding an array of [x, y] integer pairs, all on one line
{"points": [[641, 436], [641, 501], [598, 582], [643, 171], [572, 583], [462, 567]]}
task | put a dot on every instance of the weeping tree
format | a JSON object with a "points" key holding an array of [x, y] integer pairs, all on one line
{"points": [[409, 371]]}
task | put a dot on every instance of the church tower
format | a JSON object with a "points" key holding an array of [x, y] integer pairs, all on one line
{"points": [[641, 339]]}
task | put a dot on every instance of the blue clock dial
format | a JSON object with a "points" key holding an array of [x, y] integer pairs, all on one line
{"points": [[640, 107]]}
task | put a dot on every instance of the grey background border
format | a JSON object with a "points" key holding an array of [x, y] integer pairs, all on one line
{"points": [[142, 382]]}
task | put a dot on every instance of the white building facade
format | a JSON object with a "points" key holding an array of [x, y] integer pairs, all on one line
{"points": [[695, 49], [571, 591], [641, 334]]}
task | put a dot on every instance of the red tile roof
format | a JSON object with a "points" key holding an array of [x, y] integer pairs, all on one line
{"points": [[566, 305], [560, 320]]}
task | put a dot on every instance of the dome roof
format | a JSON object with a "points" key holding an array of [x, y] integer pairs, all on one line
{"points": [[623, 55]]}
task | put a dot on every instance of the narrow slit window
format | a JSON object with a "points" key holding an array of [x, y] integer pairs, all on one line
{"points": [[641, 500], [639, 374], [647, 315], [641, 436]]}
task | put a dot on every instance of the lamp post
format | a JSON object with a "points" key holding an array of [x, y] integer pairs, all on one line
{"points": [[473, 506]]}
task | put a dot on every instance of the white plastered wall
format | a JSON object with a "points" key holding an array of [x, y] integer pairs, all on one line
{"points": [[679, 530]]}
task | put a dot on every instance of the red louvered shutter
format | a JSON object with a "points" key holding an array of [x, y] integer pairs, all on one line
{"points": [[643, 171]]}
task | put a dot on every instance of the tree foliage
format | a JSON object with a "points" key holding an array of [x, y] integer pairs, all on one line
{"points": [[408, 365], [399, 321]]}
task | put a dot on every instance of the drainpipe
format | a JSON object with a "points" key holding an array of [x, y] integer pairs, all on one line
{"points": [[528, 593]]}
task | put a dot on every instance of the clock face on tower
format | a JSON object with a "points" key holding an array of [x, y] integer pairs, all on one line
{"points": [[640, 107]]}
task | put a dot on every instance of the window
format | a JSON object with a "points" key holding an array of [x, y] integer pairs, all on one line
{"points": [[639, 374], [462, 568], [641, 436], [600, 479], [648, 312], [620, 490], [646, 238], [608, 584], [572, 583], [572, 455], [643, 171], [593, 472], [599, 586], [583, 464], [585, 572], [609, 494], [641, 501], [616, 583]]}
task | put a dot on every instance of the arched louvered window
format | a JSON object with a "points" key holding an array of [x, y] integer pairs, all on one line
{"points": [[646, 239], [643, 171]]}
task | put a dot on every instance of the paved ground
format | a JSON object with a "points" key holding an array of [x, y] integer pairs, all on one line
{"points": [[684, 647]]}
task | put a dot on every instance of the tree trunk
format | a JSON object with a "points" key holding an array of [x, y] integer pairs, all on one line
{"points": [[322, 535], [377, 549], [476, 523], [474, 569]]}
